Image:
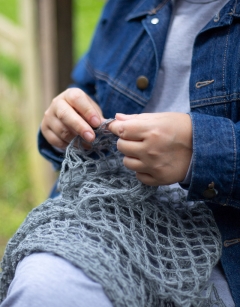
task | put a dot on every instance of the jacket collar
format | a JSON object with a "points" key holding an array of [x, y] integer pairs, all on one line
{"points": [[150, 7], [225, 17], [146, 7], [236, 12]]}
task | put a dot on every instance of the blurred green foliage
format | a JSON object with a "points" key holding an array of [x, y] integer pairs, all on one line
{"points": [[11, 69], [16, 195], [85, 17], [14, 166], [9, 8], [14, 187]]}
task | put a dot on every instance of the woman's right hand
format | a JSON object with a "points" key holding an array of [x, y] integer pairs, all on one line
{"points": [[71, 113]]}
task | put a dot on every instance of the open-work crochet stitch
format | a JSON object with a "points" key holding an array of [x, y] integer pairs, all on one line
{"points": [[145, 245]]}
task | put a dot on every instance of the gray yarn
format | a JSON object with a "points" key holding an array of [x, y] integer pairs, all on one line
{"points": [[144, 252]]}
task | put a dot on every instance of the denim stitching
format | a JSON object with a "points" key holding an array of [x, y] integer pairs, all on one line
{"points": [[121, 89], [230, 204], [110, 81], [136, 55], [104, 77], [193, 150], [89, 68], [235, 160], [219, 203], [206, 104], [216, 97], [131, 95], [228, 200], [225, 108], [224, 60], [215, 103]]}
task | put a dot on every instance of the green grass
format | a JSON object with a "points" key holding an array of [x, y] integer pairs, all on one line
{"points": [[16, 194]]}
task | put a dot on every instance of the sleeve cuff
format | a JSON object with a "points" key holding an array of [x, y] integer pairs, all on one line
{"points": [[50, 153]]}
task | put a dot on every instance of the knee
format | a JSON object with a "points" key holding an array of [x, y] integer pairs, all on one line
{"points": [[37, 282]]}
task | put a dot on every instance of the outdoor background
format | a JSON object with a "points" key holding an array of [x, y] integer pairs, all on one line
{"points": [[17, 194]]}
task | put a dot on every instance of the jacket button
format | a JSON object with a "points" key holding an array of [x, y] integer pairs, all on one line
{"points": [[142, 82], [155, 21], [211, 192]]}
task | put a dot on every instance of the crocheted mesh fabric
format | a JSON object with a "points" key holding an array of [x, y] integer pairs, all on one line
{"points": [[146, 246]]}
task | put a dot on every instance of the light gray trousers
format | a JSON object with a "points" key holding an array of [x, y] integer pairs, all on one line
{"points": [[43, 279], [47, 280]]}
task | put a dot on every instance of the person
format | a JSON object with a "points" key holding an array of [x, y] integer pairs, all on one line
{"points": [[168, 71]]}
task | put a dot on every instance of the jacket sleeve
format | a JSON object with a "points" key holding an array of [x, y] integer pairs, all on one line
{"points": [[215, 161], [49, 152]]}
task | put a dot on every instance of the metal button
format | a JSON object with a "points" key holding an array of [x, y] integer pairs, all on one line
{"points": [[142, 82], [216, 17], [211, 192], [154, 21]]}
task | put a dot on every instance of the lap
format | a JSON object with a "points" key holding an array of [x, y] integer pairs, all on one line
{"points": [[44, 279]]}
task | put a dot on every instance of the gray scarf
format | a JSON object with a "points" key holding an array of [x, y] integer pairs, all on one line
{"points": [[143, 251]]}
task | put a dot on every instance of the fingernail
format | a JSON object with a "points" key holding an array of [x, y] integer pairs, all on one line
{"points": [[88, 136], [95, 122]]}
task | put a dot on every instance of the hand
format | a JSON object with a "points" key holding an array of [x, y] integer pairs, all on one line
{"points": [[71, 113], [157, 146]]}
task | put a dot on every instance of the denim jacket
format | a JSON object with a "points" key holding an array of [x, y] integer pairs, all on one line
{"points": [[127, 45]]}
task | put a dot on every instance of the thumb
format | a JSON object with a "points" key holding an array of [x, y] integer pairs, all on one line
{"points": [[122, 117]]}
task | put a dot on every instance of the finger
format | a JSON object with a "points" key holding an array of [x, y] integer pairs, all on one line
{"points": [[146, 179], [130, 148], [54, 140], [84, 105], [62, 131], [134, 164], [142, 116], [128, 130], [121, 116], [71, 119]]}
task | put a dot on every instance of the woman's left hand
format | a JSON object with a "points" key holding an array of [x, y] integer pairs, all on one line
{"points": [[157, 146]]}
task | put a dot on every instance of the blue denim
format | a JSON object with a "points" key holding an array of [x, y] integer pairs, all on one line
{"points": [[126, 45]]}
